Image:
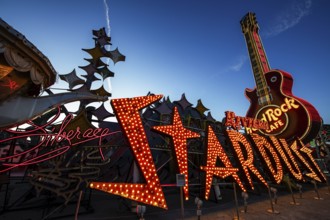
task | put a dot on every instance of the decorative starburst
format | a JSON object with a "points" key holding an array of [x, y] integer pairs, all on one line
{"points": [[72, 79], [179, 136]]}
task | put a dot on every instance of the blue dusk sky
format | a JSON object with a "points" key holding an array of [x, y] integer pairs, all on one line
{"points": [[185, 46]]}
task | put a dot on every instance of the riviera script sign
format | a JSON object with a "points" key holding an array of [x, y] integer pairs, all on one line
{"points": [[67, 137]]}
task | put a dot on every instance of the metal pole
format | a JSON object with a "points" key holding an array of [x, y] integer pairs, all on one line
{"points": [[326, 180], [300, 190], [181, 197], [245, 197], [199, 213], [272, 210], [270, 199], [316, 190], [293, 199], [236, 201], [78, 205]]}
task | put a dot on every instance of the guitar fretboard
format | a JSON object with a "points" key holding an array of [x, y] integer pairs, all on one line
{"points": [[258, 57]]}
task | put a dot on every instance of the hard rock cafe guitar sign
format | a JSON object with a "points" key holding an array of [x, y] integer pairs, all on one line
{"points": [[272, 100]]}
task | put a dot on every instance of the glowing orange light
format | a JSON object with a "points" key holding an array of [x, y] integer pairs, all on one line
{"points": [[316, 173], [215, 150], [151, 193], [179, 136], [247, 164], [262, 144], [312, 174], [285, 152], [237, 122]]}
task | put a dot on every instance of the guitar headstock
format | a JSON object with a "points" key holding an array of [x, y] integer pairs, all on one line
{"points": [[249, 22]]}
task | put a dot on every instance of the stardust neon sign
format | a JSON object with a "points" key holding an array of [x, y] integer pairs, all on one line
{"points": [[277, 155]]}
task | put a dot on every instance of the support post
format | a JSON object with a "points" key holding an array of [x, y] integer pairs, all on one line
{"points": [[181, 197], [316, 190], [300, 190], [245, 197], [78, 206], [272, 210], [236, 202]]}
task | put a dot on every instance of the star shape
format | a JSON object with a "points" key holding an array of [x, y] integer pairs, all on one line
{"points": [[179, 136]]}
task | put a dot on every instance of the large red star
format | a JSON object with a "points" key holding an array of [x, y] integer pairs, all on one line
{"points": [[179, 136]]}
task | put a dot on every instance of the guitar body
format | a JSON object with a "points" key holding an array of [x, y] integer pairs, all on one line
{"points": [[287, 115]]}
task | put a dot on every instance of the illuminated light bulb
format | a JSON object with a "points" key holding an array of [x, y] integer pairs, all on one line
{"points": [[179, 136], [315, 173], [127, 111], [262, 144], [286, 153], [235, 139], [214, 151]]}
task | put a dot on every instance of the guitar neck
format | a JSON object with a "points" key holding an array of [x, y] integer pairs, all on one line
{"points": [[257, 55]]}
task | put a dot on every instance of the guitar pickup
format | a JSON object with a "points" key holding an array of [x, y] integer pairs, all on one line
{"points": [[265, 99]]}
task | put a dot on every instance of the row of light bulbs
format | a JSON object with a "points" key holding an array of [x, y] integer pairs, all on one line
{"points": [[151, 193]]}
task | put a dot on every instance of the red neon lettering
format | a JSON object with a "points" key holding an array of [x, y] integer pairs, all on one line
{"points": [[11, 84], [28, 157], [214, 151], [70, 134], [236, 122], [247, 164], [88, 133], [294, 147], [264, 147], [127, 111], [315, 168], [78, 133], [286, 155]]}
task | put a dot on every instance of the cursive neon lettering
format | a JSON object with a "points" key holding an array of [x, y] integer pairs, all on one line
{"points": [[24, 158], [88, 133], [70, 134]]}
